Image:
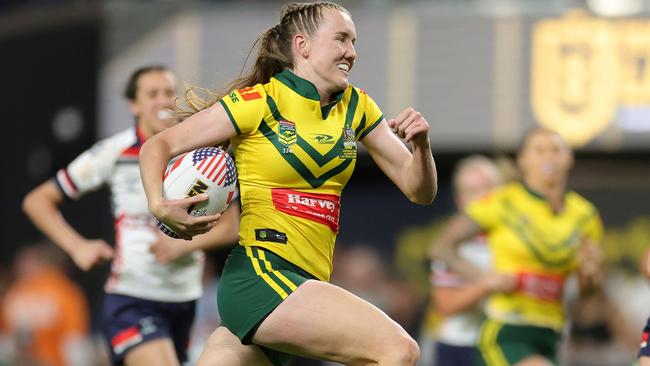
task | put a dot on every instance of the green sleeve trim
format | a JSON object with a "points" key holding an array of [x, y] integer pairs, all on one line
{"points": [[371, 127], [232, 119]]}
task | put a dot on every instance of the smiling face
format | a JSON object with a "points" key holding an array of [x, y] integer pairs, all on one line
{"points": [[326, 57], [545, 158], [154, 97]]}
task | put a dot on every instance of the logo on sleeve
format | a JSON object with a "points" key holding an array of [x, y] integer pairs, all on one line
{"points": [[249, 93]]}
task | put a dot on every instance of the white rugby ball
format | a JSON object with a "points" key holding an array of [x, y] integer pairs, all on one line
{"points": [[205, 170]]}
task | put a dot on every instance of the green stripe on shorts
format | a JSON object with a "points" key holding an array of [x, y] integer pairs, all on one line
{"points": [[253, 283], [504, 344]]}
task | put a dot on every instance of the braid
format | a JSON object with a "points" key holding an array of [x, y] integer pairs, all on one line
{"points": [[274, 54], [305, 17]]}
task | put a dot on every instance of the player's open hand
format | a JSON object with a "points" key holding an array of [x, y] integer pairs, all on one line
{"points": [[91, 254], [175, 214], [410, 126]]}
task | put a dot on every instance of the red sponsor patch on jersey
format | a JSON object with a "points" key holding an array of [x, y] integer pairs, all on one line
{"points": [[249, 93], [321, 208], [543, 287]]}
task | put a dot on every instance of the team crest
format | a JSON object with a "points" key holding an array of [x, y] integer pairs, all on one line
{"points": [[349, 144], [287, 133], [574, 76]]}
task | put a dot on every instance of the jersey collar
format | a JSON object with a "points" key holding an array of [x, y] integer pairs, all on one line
{"points": [[540, 197], [532, 192], [304, 87]]}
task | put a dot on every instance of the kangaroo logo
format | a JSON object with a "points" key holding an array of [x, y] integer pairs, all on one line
{"points": [[324, 139]]}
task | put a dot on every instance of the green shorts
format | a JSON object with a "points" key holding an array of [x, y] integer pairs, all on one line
{"points": [[253, 283], [504, 344]]}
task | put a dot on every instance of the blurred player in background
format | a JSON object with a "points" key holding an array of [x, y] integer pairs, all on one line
{"points": [[45, 313], [539, 233], [294, 122], [455, 297], [150, 296]]}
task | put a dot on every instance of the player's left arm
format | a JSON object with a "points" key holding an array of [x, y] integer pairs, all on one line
{"points": [[225, 232], [414, 172]]}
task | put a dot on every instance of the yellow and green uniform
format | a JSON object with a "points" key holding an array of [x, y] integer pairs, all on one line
{"points": [[539, 246], [293, 159]]}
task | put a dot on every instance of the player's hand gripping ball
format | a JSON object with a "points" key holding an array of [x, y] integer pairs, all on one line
{"points": [[205, 170]]}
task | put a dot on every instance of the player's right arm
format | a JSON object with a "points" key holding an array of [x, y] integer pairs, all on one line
{"points": [[41, 205], [450, 300], [444, 247], [480, 215], [208, 127], [238, 113], [225, 232]]}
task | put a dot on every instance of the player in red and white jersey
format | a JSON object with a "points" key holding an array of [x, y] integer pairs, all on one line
{"points": [[155, 280]]}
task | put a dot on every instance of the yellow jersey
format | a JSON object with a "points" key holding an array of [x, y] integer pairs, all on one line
{"points": [[537, 245], [293, 159]]}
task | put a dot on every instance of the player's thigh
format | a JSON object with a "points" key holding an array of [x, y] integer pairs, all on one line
{"points": [[325, 321], [159, 352], [223, 348], [644, 361]]}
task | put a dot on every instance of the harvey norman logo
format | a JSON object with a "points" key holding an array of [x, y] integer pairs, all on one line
{"points": [[320, 208], [312, 202]]}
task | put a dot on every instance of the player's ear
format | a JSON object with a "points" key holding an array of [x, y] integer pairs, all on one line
{"points": [[134, 108], [301, 44]]}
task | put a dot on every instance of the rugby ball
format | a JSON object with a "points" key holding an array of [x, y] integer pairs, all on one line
{"points": [[205, 170]]}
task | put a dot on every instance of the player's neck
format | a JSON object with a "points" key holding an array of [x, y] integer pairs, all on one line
{"points": [[553, 192], [310, 76], [144, 130]]}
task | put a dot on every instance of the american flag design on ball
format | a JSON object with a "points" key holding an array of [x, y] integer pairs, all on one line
{"points": [[215, 165], [205, 170]]}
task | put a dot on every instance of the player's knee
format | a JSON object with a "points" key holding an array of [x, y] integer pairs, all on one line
{"points": [[221, 336], [404, 352]]}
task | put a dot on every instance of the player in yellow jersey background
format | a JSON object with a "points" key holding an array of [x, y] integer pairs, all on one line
{"points": [[456, 299], [539, 233], [294, 123]]}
